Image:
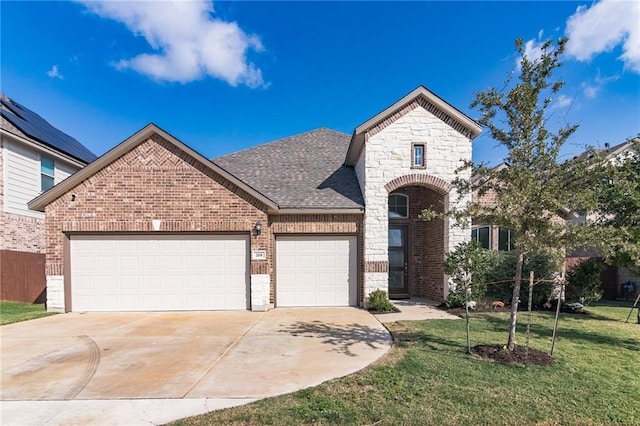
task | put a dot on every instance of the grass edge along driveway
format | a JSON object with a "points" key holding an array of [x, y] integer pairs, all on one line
{"points": [[428, 379], [11, 312]]}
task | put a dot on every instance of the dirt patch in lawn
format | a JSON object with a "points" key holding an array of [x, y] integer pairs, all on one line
{"points": [[519, 355]]}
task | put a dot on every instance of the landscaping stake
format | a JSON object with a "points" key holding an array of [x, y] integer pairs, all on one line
{"points": [[631, 311], [555, 325], [466, 316]]}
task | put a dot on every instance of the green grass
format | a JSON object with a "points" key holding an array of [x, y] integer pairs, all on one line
{"points": [[11, 312], [428, 379]]}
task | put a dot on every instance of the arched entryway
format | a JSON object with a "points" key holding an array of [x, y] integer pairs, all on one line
{"points": [[416, 247]]}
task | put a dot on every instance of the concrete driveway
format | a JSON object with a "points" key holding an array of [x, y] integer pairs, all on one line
{"points": [[149, 368]]}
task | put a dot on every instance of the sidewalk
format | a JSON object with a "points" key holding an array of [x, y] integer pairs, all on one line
{"points": [[415, 309]]}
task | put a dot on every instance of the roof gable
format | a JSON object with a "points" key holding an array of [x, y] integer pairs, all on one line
{"points": [[33, 126], [40, 202], [422, 97]]}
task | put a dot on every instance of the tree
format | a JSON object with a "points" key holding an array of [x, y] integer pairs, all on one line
{"points": [[617, 217], [466, 266], [534, 191]]}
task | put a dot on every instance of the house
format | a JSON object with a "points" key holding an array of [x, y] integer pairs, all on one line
{"points": [[34, 156], [490, 236], [316, 219], [616, 282], [494, 237]]}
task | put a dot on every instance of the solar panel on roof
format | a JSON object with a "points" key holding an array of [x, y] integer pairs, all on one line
{"points": [[38, 128]]}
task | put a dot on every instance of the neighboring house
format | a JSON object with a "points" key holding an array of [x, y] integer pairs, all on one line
{"points": [[493, 237], [317, 219], [490, 236], [34, 156], [613, 278]]}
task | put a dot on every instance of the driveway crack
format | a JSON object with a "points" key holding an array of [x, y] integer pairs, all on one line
{"points": [[226, 351]]}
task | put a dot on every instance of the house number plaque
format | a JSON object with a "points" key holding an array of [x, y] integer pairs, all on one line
{"points": [[259, 255]]}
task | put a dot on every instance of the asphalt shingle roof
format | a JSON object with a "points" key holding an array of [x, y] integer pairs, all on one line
{"points": [[301, 171], [21, 121]]}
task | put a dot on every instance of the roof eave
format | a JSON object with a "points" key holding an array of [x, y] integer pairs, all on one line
{"points": [[39, 145], [320, 210], [40, 202]]}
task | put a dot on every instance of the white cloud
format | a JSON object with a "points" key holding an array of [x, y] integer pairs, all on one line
{"points": [[562, 101], [188, 42], [602, 27], [591, 90], [55, 73]]}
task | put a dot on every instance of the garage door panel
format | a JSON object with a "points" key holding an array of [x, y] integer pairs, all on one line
{"points": [[316, 271], [159, 272]]}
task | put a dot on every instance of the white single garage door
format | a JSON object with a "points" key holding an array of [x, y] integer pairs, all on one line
{"points": [[316, 271], [159, 272]]}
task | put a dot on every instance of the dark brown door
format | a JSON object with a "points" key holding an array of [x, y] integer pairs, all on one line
{"points": [[398, 262]]}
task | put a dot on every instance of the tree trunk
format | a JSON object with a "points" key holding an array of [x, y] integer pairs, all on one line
{"points": [[511, 343], [529, 305]]}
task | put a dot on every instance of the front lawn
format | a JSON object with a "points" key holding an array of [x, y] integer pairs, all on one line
{"points": [[428, 379], [11, 312]]}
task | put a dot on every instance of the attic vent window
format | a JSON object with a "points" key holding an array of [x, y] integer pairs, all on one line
{"points": [[417, 156]]}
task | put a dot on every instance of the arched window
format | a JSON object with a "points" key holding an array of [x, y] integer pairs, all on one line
{"points": [[398, 206]]}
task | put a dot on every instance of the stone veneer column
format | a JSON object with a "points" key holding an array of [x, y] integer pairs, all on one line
{"points": [[388, 157]]}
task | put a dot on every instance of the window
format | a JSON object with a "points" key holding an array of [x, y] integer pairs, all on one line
{"points": [[482, 235], [417, 156], [46, 173], [398, 206], [505, 239]]}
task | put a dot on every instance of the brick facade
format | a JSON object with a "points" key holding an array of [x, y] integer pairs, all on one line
{"points": [[158, 181], [320, 224], [22, 233], [155, 180], [426, 242]]}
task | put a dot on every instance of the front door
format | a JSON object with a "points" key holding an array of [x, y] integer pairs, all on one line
{"points": [[398, 261]]}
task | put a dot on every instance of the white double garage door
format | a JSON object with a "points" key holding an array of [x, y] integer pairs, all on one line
{"points": [[154, 272]]}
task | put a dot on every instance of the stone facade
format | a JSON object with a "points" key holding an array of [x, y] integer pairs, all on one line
{"points": [[388, 148]]}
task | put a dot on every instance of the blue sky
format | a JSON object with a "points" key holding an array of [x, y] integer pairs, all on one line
{"points": [[225, 76]]}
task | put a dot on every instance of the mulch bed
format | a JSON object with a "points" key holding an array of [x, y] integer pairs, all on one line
{"points": [[497, 353]]}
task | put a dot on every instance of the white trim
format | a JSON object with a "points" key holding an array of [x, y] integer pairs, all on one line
{"points": [[34, 144]]}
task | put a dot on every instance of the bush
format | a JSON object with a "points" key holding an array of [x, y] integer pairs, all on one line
{"points": [[502, 268], [583, 282], [379, 302]]}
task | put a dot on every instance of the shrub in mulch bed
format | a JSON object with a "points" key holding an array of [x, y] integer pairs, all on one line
{"points": [[499, 354]]}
